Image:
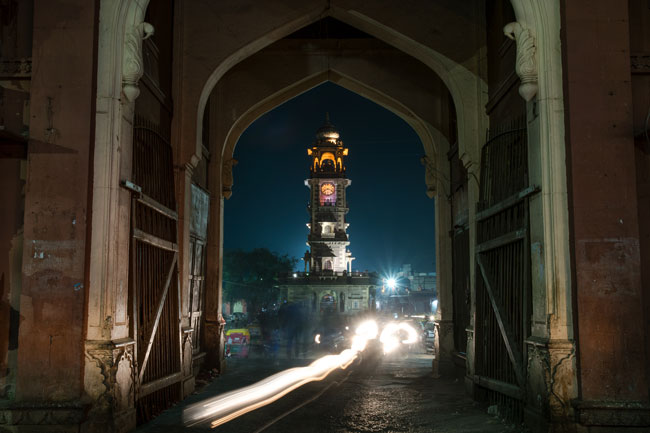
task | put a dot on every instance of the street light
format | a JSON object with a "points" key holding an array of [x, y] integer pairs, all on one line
{"points": [[391, 283]]}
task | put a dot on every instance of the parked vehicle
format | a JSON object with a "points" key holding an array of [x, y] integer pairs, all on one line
{"points": [[237, 343], [429, 335]]}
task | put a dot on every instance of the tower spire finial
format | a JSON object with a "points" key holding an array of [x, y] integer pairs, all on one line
{"points": [[327, 116]]}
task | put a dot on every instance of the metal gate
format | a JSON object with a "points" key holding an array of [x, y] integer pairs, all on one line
{"points": [[155, 294], [460, 287], [503, 268], [198, 240], [460, 251]]}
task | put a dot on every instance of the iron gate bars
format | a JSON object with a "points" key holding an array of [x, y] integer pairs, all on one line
{"points": [[503, 268], [154, 285]]}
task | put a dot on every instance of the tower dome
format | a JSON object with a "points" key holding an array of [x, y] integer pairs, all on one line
{"points": [[327, 134]]}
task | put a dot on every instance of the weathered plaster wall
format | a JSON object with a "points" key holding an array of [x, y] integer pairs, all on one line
{"points": [[603, 209], [15, 52], [640, 52], [53, 294], [11, 221]]}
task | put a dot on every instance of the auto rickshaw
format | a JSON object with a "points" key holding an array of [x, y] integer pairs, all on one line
{"points": [[237, 342]]}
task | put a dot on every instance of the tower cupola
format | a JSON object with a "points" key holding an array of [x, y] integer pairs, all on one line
{"points": [[327, 151]]}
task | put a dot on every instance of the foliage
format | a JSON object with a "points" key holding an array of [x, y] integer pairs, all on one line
{"points": [[252, 276]]}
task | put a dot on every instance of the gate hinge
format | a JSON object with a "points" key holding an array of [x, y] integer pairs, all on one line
{"points": [[131, 187]]}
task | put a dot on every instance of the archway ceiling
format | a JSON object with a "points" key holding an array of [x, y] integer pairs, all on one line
{"points": [[452, 28], [217, 36], [368, 67]]}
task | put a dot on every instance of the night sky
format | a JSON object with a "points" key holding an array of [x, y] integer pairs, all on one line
{"points": [[391, 218]]}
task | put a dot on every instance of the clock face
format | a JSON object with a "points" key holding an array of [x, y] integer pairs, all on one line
{"points": [[327, 189]]}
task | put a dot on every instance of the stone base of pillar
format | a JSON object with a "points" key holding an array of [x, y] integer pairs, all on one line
{"points": [[188, 362], [109, 383], [550, 385], [61, 417], [535, 420], [66, 417], [214, 346], [613, 414], [122, 422], [446, 340], [470, 387]]}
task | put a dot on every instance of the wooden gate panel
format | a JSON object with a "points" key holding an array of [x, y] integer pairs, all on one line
{"points": [[503, 268], [154, 277], [461, 295], [198, 240], [197, 279], [460, 287]]}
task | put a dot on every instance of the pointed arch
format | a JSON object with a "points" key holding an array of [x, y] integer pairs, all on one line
{"points": [[422, 128], [467, 88]]}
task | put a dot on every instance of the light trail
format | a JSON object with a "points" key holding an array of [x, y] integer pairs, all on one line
{"points": [[304, 403], [390, 333], [230, 405]]}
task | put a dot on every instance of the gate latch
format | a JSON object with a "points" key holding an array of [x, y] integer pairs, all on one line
{"points": [[131, 187]]}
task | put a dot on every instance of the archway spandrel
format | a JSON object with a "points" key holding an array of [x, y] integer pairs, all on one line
{"points": [[464, 84], [239, 125]]}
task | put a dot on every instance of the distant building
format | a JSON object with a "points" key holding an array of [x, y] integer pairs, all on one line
{"points": [[415, 293], [328, 283]]}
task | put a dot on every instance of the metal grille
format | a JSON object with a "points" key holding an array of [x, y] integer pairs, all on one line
{"points": [[460, 250], [154, 255], [198, 239], [460, 287], [503, 268], [197, 278]]}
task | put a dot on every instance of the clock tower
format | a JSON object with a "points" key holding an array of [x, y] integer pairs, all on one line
{"points": [[328, 238]]}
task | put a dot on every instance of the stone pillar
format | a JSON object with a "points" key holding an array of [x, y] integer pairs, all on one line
{"points": [[183, 183], [473, 172], [213, 331], [613, 375], [551, 353], [49, 382], [444, 272], [214, 324]]}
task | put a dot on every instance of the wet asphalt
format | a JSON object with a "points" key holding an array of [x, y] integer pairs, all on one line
{"points": [[380, 393]]}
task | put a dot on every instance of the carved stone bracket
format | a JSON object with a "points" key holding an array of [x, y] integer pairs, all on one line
{"points": [[550, 378], [188, 350], [112, 386], [526, 66], [473, 168], [132, 63], [429, 175], [227, 178]]}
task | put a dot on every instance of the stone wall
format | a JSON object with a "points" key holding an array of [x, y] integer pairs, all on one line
{"points": [[612, 358]]}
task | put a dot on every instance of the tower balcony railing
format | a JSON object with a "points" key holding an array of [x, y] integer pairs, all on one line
{"points": [[328, 274], [339, 237], [329, 207]]}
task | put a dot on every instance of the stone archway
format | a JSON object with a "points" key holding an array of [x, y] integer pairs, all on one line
{"points": [[422, 128], [435, 178], [466, 87], [119, 63]]}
